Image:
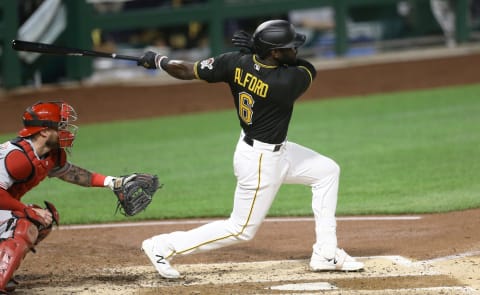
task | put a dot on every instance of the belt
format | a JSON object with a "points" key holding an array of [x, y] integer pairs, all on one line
{"points": [[249, 141]]}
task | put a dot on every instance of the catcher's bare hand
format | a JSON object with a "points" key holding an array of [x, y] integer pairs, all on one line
{"points": [[134, 192], [45, 217]]}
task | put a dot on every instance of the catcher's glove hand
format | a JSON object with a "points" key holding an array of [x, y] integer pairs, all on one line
{"points": [[135, 192]]}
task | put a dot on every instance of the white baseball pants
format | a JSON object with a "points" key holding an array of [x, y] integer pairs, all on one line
{"points": [[260, 172]]}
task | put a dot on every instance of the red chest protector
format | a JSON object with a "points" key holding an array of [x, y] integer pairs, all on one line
{"points": [[27, 170]]}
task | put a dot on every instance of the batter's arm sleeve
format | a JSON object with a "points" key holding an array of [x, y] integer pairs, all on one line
{"points": [[7, 202], [308, 67], [218, 68]]}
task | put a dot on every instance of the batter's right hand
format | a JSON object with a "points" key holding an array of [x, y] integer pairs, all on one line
{"points": [[148, 60], [243, 40]]}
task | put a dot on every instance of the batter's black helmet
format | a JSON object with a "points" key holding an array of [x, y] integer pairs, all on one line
{"points": [[275, 34]]}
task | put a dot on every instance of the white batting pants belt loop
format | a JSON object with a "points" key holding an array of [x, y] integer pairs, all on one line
{"points": [[262, 145]]}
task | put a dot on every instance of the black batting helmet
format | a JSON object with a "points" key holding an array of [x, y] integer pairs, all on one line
{"points": [[275, 34]]}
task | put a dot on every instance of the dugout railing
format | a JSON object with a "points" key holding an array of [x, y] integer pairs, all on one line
{"points": [[82, 20]]}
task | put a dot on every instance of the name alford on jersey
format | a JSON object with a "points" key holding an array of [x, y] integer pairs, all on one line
{"points": [[251, 82]]}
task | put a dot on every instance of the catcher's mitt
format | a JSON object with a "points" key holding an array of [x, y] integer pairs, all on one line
{"points": [[135, 192]]}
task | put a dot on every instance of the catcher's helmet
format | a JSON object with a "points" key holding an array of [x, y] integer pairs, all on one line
{"points": [[275, 34], [54, 115]]}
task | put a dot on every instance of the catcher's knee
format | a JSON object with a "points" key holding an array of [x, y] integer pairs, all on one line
{"points": [[30, 216], [14, 249], [26, 231], [23, 230]]}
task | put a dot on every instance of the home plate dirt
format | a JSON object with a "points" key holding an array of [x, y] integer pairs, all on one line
{"points": [[382, 275], [431, 254]]}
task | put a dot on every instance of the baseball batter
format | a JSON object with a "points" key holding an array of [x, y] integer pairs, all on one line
{"points": [[265, 79], [25, 161]]}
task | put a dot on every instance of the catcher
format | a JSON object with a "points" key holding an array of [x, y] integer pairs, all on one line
{"points": [[41, 151]]}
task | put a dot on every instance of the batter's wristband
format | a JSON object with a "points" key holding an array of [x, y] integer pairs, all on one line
{"points": [[161, 62]]}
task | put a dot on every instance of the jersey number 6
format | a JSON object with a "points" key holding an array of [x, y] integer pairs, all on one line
{"points": [[245, 105]]}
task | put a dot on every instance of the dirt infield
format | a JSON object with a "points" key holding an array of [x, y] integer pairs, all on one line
{"points": [[421, 254], [429, 254]]}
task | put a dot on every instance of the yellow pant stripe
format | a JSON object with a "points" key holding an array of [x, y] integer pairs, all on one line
{"points": [[246, 223]]}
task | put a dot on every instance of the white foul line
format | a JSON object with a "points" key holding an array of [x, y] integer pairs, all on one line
{"points": [[449, 257], [410, 263], [202, 221]]}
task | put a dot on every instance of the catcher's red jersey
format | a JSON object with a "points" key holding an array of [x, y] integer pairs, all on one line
{"points": [[21, 169]]}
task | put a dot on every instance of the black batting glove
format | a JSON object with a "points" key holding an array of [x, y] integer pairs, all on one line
{"points": [[148, 60], [243, 40]]}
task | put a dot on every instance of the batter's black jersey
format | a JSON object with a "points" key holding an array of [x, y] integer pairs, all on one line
{"points": [[263, 95]]}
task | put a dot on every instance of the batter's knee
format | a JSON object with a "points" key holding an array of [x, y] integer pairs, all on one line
{"points": [[325, 167], [334, 167], [328, 173]]}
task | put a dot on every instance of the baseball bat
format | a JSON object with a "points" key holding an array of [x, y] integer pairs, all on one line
{"points": [[20, 45]]}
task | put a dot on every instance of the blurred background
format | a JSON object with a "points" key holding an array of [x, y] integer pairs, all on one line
{"points": [[195, 29]]}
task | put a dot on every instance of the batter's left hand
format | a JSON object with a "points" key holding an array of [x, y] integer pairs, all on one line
{"points": [[148, 60]]}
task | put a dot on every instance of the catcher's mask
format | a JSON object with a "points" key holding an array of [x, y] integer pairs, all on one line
{"points": [[276, 34], [56, 115]]}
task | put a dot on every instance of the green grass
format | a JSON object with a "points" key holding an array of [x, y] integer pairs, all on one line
{"points": [[409, 152]]}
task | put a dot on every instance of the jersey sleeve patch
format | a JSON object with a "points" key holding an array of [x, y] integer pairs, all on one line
{"points": [[207, 63], [18, 165]]}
